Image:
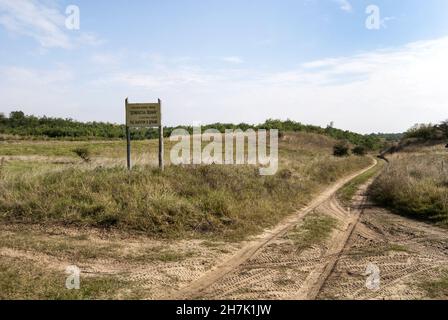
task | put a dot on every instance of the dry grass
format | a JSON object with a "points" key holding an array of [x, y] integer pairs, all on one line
{"points": [[228, 202], [346, 193], [415, 185], [43, 186], [315, 230], [436, 289], [24, 281]]}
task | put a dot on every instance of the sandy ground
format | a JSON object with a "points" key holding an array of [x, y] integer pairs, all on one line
{"points": [[404, 251], [137, 260], [269, 266]]}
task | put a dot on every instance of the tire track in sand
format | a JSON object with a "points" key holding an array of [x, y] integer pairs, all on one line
{"points": [[242, 273]]}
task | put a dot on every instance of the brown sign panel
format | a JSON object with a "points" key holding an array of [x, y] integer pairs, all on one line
{"points": [[140, 115]]}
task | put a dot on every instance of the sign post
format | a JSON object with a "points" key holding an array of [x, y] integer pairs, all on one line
{"points": [[128, 139], [161, 164], [144, 115]]}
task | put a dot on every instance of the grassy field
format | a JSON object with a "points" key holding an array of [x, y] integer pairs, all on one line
{"points": [[21, 281], [415, 184], [58, 210], [228, 202]]}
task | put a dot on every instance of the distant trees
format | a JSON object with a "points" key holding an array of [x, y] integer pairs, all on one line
{"points": [[20, 124], [423, 131], [443, 126], [370, 142], [23, 125], [359, 151], [428, 132], [341, 149], [3, 120]]}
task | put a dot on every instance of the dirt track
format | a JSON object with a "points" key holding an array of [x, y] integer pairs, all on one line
{"points": [[269, 262], [270, 266], [405, 251]]}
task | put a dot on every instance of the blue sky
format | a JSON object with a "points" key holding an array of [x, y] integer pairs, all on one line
{"points": [[313, 61]]}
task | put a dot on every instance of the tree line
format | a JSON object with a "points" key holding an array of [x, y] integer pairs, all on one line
{"points": [[17, 123], [428, 132]]}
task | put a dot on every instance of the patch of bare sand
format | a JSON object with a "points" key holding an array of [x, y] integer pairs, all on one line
{"points": [[407, 253], [150, 266]]}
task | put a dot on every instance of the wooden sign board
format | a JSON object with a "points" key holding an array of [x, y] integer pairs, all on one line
{"points": [[142, 115]]}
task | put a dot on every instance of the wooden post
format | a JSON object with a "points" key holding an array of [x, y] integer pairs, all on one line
{"points": [[128, 139], [161, 151]]}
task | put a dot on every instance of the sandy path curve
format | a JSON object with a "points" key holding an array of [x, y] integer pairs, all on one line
{"points": [[198, 288]]}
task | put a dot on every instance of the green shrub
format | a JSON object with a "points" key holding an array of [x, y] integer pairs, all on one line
{"points": [[231, 202], [427, 132], [414, 185], [83, 153], [341, 149], [359, 151]]}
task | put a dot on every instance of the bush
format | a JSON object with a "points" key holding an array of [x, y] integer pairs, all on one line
{"points": [[230, 202], [359, 151], [414, 185], [341, 149], [427, 132], [83, 153]]}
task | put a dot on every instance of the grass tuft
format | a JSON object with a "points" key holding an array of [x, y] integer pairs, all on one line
{"points": [[415, 185], [30, 282], [436, 289], [346, 193], [315, 230]]}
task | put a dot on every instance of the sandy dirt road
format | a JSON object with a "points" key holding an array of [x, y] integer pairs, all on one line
{"points": [[270, 266], [406, 253], [263, 267]]}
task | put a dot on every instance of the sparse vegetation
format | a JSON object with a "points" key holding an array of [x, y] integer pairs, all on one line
{"points": [[230, 202], [428, 132], [420, 135], [315, 230], [436, 289], [44, 187], [415, 185], [359, 151], [202, 200], [21, 280], [346, 193], [341, 149], [368, 251], [21, 125], [83, 153], [2, 167]]}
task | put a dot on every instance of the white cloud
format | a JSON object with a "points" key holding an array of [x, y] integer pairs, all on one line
{"points": [[233, 59], [385, 20], [43, 22], [105, 59], [384, 90], [344, 5]]}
